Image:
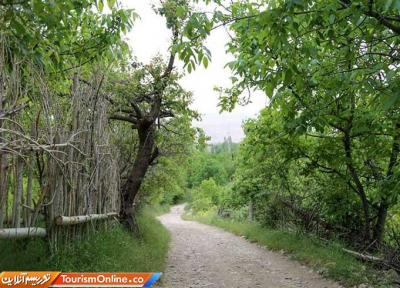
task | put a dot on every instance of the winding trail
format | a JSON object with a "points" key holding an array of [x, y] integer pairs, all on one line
{"points": [[204, 256]]}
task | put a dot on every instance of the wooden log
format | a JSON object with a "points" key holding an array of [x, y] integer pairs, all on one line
{"points": [[73, 220], [13, 233]]}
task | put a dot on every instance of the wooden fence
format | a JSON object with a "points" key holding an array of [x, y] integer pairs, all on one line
{"points": [[56, 155]]}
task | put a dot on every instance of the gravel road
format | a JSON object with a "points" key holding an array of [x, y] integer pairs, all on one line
{"points": [[204, 256]]}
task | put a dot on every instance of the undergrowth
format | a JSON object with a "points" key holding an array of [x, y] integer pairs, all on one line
{"points": [[110, 250]]}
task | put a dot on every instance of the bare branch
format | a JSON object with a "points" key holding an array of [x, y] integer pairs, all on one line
{"points": [[12, 111], [124, 118], [137, 109]]}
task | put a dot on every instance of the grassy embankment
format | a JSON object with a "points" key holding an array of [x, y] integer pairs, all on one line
{"points": [[325, 257], [112, 250]]}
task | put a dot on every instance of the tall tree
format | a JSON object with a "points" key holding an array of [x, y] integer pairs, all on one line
{"points": [[157, 97]]}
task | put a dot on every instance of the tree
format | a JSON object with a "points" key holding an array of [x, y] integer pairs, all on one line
{"points": [[64, 35], [143, 116], [331, 67], [157, 97]]}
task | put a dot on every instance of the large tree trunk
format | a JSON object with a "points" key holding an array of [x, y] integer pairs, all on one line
{"points": [[359, 188], [379, 228], [130, 189], [380, 223]]}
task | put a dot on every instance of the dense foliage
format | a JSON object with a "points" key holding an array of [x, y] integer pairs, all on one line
{"points": [[329, 140]]}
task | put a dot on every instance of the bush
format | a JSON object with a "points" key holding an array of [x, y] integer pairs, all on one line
{"points": [[207, 195]]}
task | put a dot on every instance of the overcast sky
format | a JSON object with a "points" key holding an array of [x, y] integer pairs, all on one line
{"points": [[151, 37]]}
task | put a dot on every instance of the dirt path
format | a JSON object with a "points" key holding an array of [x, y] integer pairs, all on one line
{"points": [[204, 256]]}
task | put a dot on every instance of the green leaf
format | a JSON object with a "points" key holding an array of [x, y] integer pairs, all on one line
{"points": [[269, 89], [100, 5], [332, 18], [180, 11], [205, 62], [360, 20], [287, 76], [391, 100], [20, 29], [111, 3]]}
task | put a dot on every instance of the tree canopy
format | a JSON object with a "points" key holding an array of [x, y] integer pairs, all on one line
{"points": [[330, 71]]}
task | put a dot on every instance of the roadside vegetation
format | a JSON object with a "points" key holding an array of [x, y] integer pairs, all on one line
{"points": [[216, 199], [323, 256], [109, 249]]}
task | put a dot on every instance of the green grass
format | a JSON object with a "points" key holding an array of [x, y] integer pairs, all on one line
{"points": [[112, 250], [325, 257], [157, 210]]}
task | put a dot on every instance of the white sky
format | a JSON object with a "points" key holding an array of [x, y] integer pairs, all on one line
{"points": [[150, 37]]}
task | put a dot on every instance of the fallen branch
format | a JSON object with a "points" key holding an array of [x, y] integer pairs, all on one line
{"points": [[365, 257], [373, 259], [13, 233], [73, 220]]}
